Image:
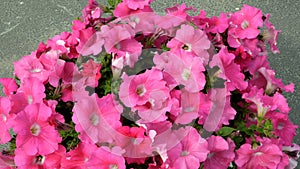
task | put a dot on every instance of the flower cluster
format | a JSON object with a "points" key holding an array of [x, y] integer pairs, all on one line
{"points": [[128, 88]]}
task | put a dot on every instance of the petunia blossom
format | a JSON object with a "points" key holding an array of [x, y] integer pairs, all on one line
{"points": [[37, 161], [136, 144], [119, 40], [221, 152], [9, 86], [34, 134], [136, 89], [218, 25], [137, 4], [185, 70], [79, 157], [283, 127], [30, 66], [91, 71], [265, 156], [191, 150], [245, 23], [97, 118], [190, 41], [271, 35], [229, 71], [33, 90], [5, 107], [104, 158]]}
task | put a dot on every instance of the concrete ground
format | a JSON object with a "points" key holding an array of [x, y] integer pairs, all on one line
{"points": [[24, 23]]}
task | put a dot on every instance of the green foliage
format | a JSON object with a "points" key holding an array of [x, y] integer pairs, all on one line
{"points": [[105, 82], [69, 137], [12, 145], [165, 48], [113, 3], [225, 131]]}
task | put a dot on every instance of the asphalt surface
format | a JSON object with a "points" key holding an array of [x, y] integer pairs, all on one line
{"points": [[25, 23]]}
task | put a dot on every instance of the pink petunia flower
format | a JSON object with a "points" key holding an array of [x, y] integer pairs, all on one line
{"points": [[30, 66], [58, 70], [245, 23], [262, 103], [191, 150], [136, 89], [89, 156], [37, 161], [229, 70], [79, 157], [189, 103], [87, 36], [5, 107], [221, 153], [272, 83], [33, 90], [105, 158], [154, 110], [175, 16], [34, 134], [283, 127], [190, 41], [137, 4], [91, 71], [137, 146], [93, 45], [9, 86], [119, 40], [91, 13], [264, 156], [58, 44], [49, 59], [218, 25], [186, 70], [123, 10], [271, 35], [215, 109], [96, 119], [256, 97], [18, 102]]}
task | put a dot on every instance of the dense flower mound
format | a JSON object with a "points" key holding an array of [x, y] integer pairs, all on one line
{"points": [[129, 88]]}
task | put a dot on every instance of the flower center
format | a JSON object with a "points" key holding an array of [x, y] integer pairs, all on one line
{"points": [[30, 99], [187, 47], [35, 129], [210, 155], [39, 160], [36, 70], [280, 126], [184, 153], [140, 90], [113, 166], [4, 117], [245, 24], [94, 119], [186, 74], [258, 153]]}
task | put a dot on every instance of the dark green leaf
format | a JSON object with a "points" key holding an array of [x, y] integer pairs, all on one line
{"points": [[225, 131]]}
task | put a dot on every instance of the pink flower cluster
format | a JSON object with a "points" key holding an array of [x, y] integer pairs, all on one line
{"points": [[207, 99]]}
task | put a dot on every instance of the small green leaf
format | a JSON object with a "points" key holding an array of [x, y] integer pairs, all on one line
{"points": [[165, 48], [225, 131]]}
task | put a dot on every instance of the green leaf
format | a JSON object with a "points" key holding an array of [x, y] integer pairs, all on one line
{"points": [[225, 131], [165, 48]]}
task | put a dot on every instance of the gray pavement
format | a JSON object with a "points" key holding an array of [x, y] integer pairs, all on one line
{"points": [[24, 23]]}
